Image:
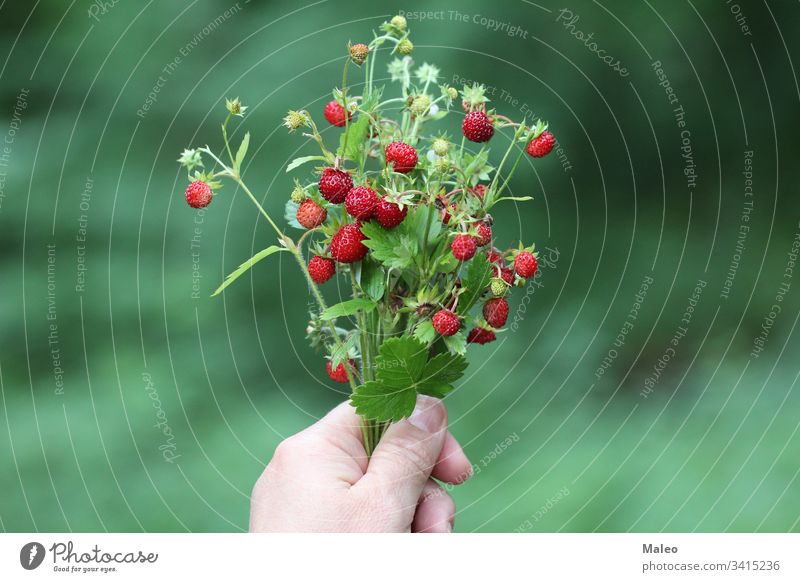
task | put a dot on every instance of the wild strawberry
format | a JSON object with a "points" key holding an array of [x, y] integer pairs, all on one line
{"points": [[479, 190], [447, 209], [334, 113], [446, 322], [498, 287], [484, 235], [359, 52], [334, 185], [463, 247], [477, 127], [495, 312], [480, 335], [360, 202], [310, 214], [525, 264], [494, 257], [507, 275], [389, 214], [402, 156], [321, 269], [199, 194], [542, 145], [346, 245], [340, 373]]}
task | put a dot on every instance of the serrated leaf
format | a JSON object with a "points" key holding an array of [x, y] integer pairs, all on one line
{"points": [[474, 283], [377, 401], [424, 331], [401, 361], [341, 351], [393, 248], [356, 134], [373, 279], [439, 374], [297, 162], [245, 266], [346, 308], [456, 344], [241, 152]]}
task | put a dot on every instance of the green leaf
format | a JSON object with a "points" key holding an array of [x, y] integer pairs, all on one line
{"points": [[477, 278], [373, 279], [378, 401], [348, 308], [245, 266], [424, 331], [440, 373], [401, 361], [457, 343], [241, 152], [356, 135], [394, 248], [290, 214], [515, 198], [297, 162]]}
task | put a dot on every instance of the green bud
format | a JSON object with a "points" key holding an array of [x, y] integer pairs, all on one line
{"points": [[295, 120], [399, 22], [298, 194], [441, 147], [442, 165], [498, 287], [235, 107], [405, 47], [420, 105]]}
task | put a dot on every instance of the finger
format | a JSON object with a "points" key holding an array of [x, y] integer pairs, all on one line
{"points": [[406, 454], [452, 466], [435, 512]]}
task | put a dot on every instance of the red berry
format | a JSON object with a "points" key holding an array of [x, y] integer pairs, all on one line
{"points": [[495, 257], [402, 156], [525, 264], [198, 194], [446, 322], [542, 145], [334, 185], [347, 245], [389, 214], [361, 202], [321, 269], [477, 127], [484, 236], [480, 335], [447, 210], [310, 214], [463, 247], [334, 113], [507, 275], [495, 312], [479, 190], [340, 373]]}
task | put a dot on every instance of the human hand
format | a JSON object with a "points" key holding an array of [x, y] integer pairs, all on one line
{"points": [[320, 479]]}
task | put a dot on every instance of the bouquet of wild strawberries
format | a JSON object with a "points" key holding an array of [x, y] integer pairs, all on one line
{"points": [[412, 233]]}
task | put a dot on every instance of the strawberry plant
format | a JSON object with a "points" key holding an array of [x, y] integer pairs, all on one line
{"points": [[404, 215]]}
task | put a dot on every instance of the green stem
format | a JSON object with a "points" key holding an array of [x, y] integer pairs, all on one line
{"points": [[346, 108]]}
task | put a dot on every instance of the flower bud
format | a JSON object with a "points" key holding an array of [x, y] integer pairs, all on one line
{"points": [[295, 120], [399, 22], [405, 47]]}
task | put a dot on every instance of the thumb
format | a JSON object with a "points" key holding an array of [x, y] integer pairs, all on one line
{"points": [[406, 454]]}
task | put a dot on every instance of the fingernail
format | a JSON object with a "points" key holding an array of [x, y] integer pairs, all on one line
{"points": [[428, 415]]}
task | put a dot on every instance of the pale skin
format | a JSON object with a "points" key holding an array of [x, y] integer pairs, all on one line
{"points": [[320, 479]]}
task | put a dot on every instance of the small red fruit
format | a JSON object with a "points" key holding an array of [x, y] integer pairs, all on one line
{"points": [[495, 312], [347, 245], [199, 194], [507, 275], [402, 156], [484, 236], [463, 247], [360, 202], [495, 257], [321, 269], [389, 214], [542, 145], [479, 190], [446, 322], [340, 373], [525, 264], [334, 113], [310, 214], [480, 335], [477, 127], [334, 185]]}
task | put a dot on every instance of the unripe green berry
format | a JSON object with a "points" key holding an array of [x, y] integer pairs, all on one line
{"points": [[452, 92], [295, 120], [399, 22], [441, 146], [405, 47], [498, 287], [298, 194], [420, 105], [442, 165]]}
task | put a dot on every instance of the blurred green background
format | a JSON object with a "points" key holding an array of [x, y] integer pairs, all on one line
{"points": [[98, 317]]}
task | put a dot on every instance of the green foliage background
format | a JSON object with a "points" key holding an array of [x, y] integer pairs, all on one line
{"points": [[714, 447]]}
